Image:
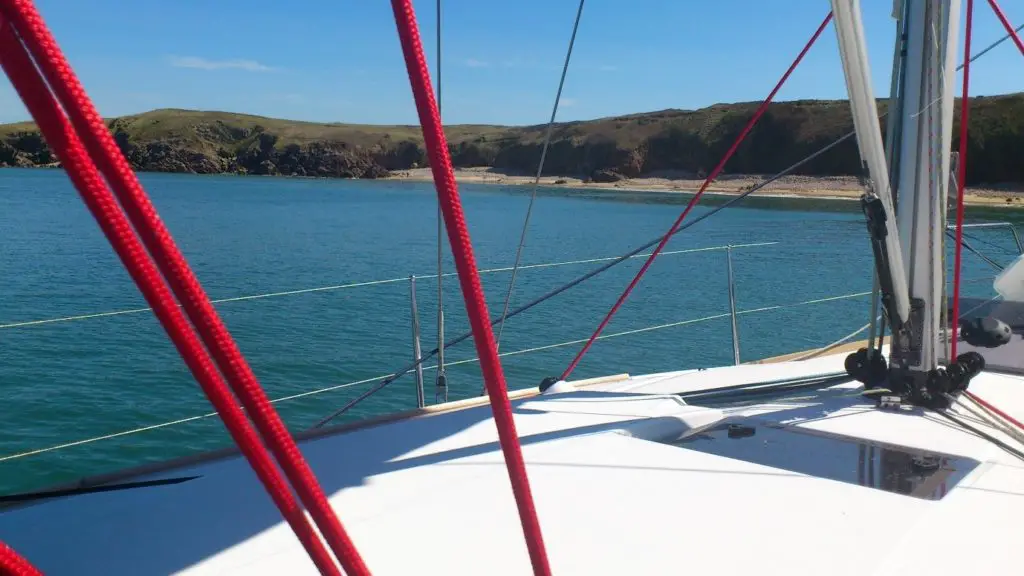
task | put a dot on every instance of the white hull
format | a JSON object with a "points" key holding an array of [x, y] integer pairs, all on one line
{"points": [[430, 494]]}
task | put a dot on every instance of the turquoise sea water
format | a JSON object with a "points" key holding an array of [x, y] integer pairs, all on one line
{"points": [[70, 380]]}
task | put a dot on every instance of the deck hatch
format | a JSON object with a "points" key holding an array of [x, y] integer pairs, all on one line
{"points": [[897, 469]]}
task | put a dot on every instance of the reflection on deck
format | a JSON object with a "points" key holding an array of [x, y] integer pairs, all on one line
{"points": [[896, 469]]}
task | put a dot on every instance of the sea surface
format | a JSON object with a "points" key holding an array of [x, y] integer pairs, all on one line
{"points": [[87, 374]]}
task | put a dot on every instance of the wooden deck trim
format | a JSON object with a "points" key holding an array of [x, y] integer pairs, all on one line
{"points": [[845, 348]]}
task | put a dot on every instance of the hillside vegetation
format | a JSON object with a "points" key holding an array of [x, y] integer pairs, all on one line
{"points": [[673, 142]]}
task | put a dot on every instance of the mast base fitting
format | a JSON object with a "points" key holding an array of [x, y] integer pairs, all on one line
{"points": [[870, 371], [936, 389]]}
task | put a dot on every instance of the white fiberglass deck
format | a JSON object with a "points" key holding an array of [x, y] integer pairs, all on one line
{"points": [[431, 494]]}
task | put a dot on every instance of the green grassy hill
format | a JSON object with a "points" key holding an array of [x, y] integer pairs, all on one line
{"points": [[676, 141]]}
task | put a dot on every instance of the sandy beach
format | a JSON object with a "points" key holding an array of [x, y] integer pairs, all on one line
{"points": [[811, 187]]}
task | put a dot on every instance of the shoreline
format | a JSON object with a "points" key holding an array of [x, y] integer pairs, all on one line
{"points": [[845, 188], [822, 188]]}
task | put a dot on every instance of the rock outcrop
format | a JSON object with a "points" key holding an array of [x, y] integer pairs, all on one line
{"points": [[603, 150]]}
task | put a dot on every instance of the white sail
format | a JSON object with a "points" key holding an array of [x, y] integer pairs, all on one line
{"points": [[853, 53]]}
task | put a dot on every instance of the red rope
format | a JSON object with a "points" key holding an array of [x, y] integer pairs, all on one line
{"points": [[12, 564], [1006, 24], [111, 162], [995, 410], [693, 201], [961, 178], [469, 278], [61, 137]]}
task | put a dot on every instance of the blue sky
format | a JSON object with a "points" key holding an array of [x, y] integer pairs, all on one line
{"points": [[339, 60]]}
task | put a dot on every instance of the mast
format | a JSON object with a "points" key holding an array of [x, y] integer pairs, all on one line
{"points": [[908, 244], [923, 175]]}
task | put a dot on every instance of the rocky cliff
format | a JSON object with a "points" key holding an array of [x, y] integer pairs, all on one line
{"points": [[655, 143]]}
